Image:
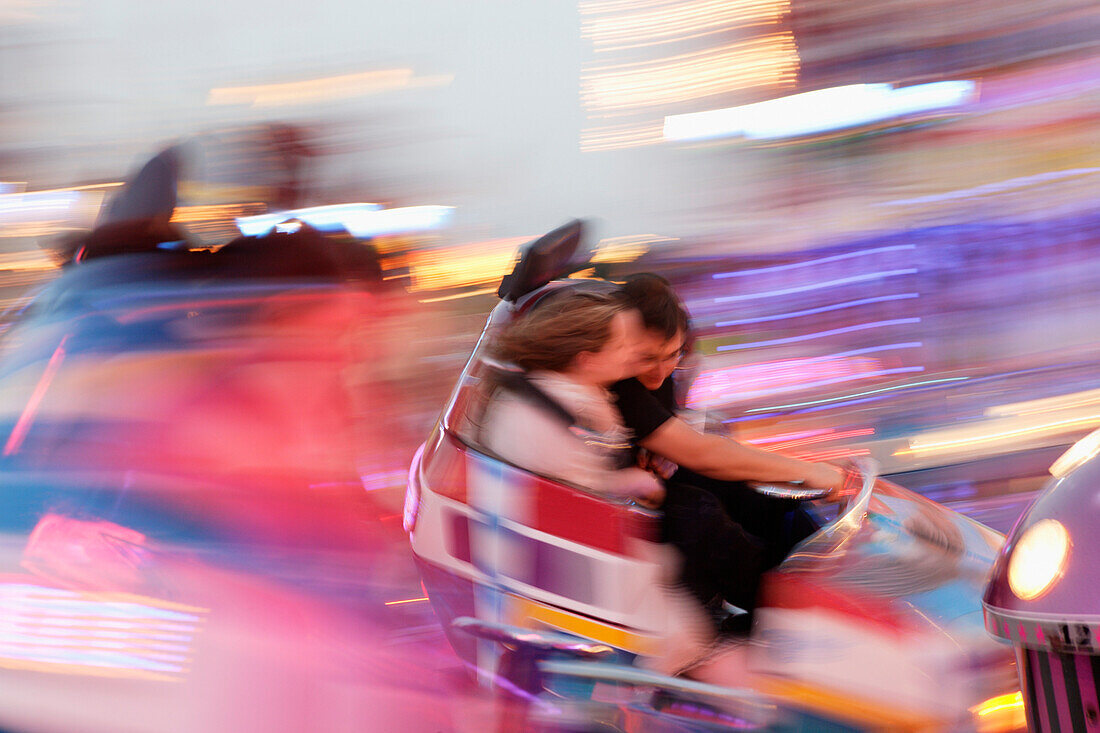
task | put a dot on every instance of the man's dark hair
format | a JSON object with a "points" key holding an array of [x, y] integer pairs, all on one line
{"points": [[658, 303]]}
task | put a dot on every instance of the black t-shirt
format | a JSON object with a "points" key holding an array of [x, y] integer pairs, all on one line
{"points": [[644, 411]]}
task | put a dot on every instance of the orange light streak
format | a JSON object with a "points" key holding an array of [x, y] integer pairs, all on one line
{"points": [[19, 432], [189, 214], [766, 61], [677, 22], [466, 265], [330, 88], [618, 137], [829, 435], [830, 455]]}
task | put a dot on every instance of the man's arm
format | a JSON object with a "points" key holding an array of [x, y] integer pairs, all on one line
{"points": [[727, 460]]}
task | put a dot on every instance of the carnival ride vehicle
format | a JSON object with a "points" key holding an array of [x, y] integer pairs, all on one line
{"points": [[551, 591], [185, 539], [1043, 597]]}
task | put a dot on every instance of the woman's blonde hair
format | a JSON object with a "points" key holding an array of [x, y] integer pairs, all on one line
{"points": [[554, 333]]}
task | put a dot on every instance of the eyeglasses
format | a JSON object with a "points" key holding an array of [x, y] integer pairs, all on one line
{"points": [[653, 360]]}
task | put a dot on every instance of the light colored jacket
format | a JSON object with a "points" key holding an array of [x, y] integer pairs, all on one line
{"points": [[531, 437]]}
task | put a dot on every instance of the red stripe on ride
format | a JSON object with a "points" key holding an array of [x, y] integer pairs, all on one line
{"points": [[794, 592], [560, 510], [589, 520]]}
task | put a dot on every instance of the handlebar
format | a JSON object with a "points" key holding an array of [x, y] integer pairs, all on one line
{"points": [[861, 470]]}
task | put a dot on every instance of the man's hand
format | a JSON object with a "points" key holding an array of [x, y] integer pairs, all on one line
{"points": [[825, 476], [653, 497], [656, 464]]}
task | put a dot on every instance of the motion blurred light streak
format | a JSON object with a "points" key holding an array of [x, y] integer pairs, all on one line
{"points": [[105, 634], [820, 334], [816, 261], [822, 110], [783, 442], [830, 455], [815, 311], [768, 439], [325, 89], [23, 424], [846, 399], [793, 373], [335, 216], [611, 28], [991, 188], [617, 137], [870, 350], [866, 277], [696, 400], [631, 94], [766, 61], [1047, 404], [1001, 433], [626, 248], [466, 265], [191, 214]]}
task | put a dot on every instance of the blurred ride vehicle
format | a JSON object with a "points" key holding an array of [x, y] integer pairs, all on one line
{"points": [[551, 592], [186, 542], [1044, 596]]}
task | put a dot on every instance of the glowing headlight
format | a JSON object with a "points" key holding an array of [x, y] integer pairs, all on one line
{"points": [[1038, 559]]}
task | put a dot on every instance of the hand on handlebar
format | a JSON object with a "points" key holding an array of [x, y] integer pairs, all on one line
{"points": [[841, 481], [655, 464]]}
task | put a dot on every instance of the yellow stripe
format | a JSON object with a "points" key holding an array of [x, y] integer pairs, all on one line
{"points": [[530, 614], [527, 614], [863, 711]]}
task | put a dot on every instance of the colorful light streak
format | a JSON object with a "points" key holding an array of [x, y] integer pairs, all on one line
{"points": [[407, 600], [822, 110], [826, 400], [831, 455], [325, 218], [1001, 714], [104, 634], [866, 277], [626, 248], [784, 442], [23, 424], [618, 137], [466, 265], [1086, 398], [991, 188], [769, 439], [810, 263], [816, 311], [614, 26], [765, 61], [820, 334], [735, 391], [325, 89], [1000, 434]]}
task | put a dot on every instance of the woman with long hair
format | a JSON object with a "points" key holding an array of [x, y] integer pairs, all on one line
{"points": [[559, 420]]}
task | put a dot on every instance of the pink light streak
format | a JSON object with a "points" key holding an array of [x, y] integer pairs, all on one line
{"points": [[19, 432]]}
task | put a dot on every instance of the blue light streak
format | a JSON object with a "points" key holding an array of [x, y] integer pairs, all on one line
{"points": [[815, 311], [820, 334], [809, 263], [818, 286]]}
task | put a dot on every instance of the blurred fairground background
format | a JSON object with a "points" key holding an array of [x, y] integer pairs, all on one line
{"points": [[882, 214]]}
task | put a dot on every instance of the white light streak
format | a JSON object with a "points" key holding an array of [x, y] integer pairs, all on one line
{"points": [[819, 111], [817, 286]]}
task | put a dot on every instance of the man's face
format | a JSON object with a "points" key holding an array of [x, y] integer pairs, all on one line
{"points": [[658, 357], [618, 359]]}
